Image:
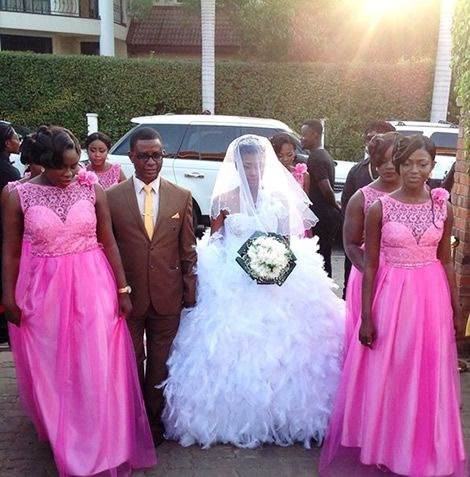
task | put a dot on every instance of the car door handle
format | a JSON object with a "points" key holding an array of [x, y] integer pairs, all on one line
{"points": [[194, 175]]}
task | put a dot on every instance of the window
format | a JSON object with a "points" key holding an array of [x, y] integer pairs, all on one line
{"points": [[445, 140], [207, 142], [270, 132], [26, 43], [409, 132], [170, 133], [89, 48], [26, 6]]}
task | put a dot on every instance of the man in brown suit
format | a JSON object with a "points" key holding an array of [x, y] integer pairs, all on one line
{"points": [[153, 226]]}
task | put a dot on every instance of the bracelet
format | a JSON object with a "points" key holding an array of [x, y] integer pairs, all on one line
{"points": [[127, 289]]}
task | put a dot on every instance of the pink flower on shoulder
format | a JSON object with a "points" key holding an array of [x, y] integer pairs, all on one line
{"points": [[300, 168], [87, 177], [440, 195]]}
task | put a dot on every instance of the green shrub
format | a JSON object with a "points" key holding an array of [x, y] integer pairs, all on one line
{"points": [[36, 89]]}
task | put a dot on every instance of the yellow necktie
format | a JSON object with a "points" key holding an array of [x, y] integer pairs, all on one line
{"points": [[148, 211]]}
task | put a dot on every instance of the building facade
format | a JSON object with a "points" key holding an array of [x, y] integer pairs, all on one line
{"points": [[59, 26]]}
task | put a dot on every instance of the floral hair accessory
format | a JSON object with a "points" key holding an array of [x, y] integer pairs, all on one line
{"points": [[300, 168], [87, 177], [440, 196]]}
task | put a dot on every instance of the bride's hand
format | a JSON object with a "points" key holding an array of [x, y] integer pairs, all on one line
{"points": [[218, 222]]}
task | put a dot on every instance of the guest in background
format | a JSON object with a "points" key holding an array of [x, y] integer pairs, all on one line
{"points": [[360, 175], [9, 143], [448, 181], [97, 146], [397, 408], [74, 357], [380, 157], [284, 147], [32, 167], [321, 169]]}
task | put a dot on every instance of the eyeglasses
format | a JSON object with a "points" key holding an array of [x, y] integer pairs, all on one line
{"points": [[144, 157]]}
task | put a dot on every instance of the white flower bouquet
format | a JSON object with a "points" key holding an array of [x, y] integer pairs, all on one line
{"points": [[267, 258]]}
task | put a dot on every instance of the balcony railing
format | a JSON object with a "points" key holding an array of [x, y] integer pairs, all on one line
{"points": [[68, 8]]}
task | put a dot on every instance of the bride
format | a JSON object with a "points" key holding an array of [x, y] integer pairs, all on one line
{"points": [[252, 363]]}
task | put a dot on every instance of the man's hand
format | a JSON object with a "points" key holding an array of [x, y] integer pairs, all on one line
{"points": [[12, 313]]}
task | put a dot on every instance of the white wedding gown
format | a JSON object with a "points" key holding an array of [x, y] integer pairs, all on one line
{"points": [[251, 363]]}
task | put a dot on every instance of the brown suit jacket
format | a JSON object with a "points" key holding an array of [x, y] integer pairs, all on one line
{"points": [[160, 271]]}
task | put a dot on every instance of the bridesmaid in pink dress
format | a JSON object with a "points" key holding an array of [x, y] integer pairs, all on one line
{"points": [[380, 151], [284, 147], [98, 145], [74, 354], [397, 408]]}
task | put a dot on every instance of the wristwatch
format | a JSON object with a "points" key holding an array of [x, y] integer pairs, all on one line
{"points": [[127, 289]]}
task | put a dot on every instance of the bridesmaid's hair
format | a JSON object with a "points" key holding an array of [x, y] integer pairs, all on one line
{"points": [[380, 144], [6, 132], [27, 155], [50, 144], [379, 126], [407, 145], [278, 140], [98, 136], [403, 149]]}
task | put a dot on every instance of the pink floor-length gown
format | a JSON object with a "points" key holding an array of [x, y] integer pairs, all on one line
{"points": [[397, 406], [354, 288], [73, 352]]}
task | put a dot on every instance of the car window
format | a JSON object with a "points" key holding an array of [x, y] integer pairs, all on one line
{"points": [[208, 142], [171, 134], [445, 140], [409, 132], [266, 132], [270, 132]]}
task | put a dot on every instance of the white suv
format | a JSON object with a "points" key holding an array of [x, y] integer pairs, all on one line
{"points": [[194, 146], [443, 134]]}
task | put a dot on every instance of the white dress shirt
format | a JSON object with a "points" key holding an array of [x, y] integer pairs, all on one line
{"points": [[140, 194]]}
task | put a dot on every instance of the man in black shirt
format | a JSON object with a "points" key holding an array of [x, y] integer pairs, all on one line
{"points": [[321, 169], [359, 176], [9, 143]]}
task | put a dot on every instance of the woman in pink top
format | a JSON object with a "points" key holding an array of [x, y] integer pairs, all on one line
{"points": [[397, 407], [380, 150], [98, 145], [73, 351], [284, 147]]}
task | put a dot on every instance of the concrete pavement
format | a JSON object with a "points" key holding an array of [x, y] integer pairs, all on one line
{"points": [[21, 455]]}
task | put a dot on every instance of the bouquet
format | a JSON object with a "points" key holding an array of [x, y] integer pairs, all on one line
{"points": [[267, 258]]}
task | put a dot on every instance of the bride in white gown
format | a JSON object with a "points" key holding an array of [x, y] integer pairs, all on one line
{"points": [[252, 363]]}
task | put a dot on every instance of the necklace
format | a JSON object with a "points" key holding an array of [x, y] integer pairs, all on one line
{"points": [[369, 168]]}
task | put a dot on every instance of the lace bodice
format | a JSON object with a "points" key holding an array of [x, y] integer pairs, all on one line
{"points": [[370, 196], [241, 227], [108, 178], [411, 232], [59, 221]]}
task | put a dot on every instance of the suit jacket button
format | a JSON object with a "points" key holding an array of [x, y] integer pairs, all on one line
{"points": [[152, 267]]}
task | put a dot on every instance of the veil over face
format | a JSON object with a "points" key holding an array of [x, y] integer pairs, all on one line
{"points": [[253, 182]]}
